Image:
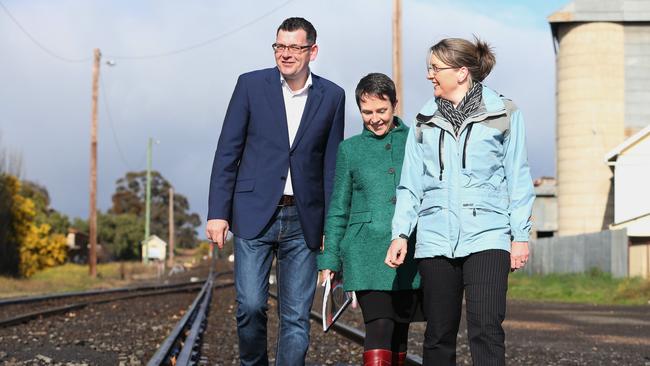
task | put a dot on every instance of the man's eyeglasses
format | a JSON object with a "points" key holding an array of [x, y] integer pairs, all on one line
{"points": [[294, 48], [433, 69]]}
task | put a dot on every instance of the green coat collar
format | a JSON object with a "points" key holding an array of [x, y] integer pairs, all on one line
{"points": [[399, 127]]}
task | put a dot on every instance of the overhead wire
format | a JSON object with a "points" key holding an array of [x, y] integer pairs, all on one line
{"points": [[203, 43], [142, 57], [136, 57], [39, 44], [110, 122]]}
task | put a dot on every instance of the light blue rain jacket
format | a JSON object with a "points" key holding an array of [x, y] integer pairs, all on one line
{"points": [[470, 193]]}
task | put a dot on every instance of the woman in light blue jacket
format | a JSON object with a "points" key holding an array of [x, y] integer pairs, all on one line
{"points": [[466, 184]]}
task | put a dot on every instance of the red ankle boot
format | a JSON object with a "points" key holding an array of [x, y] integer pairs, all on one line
{"points": [[399, 358], [377, 357]]}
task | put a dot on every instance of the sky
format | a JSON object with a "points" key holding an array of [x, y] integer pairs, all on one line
{"points": [[176, 63]]}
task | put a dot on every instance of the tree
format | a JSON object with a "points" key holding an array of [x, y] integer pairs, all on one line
{"points": [[41, 249], [129, 198], [58, 222], [121, 234], [16, 214], [27, 243], [26, 246]]}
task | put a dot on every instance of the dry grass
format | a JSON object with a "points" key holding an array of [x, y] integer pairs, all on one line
{"points": [[74, 277]]}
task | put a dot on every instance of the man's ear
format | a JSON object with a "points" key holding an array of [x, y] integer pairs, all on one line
{"points": [[314, 52]]}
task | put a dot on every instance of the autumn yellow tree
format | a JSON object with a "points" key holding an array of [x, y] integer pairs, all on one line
{"points": [[41, 249], [17, 215], [25, 246]]}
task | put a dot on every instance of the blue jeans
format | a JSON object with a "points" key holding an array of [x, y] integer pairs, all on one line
{"points": [[296, 279]]}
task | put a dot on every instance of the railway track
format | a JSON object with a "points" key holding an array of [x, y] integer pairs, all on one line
{"points": [[129, 331], [183, 345], [19, 310]]}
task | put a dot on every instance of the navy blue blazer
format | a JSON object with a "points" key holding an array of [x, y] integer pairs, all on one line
{"points": [[253, 155]]}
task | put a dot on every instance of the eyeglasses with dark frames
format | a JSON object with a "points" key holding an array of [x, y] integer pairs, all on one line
{"points": [[433, 69], [292, 48]]}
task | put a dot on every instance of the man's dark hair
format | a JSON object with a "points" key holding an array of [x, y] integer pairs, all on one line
{"points": [[378, 85], [294, 24]]}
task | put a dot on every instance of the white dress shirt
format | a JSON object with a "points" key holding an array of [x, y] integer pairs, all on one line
{"points": [[294, 106]]}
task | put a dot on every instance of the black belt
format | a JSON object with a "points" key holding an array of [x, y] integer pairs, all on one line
{"points": [[286, 200]]}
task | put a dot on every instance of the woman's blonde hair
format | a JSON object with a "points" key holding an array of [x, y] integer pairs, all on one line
{"points": [[477, 57]]}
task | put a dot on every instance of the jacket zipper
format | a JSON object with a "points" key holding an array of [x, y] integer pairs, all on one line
{"points": [[441, 145], [469, 131], [442, 166]]}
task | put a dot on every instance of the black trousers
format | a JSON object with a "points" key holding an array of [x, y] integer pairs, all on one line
{"points": [[483, 278]]}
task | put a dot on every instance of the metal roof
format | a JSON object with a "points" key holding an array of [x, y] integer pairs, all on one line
{"points": [[613, 155], [603, 11]]}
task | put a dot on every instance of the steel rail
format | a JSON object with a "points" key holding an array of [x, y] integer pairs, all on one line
{"points": [[352, 333], [66, 308], [191, 346], [47, 297], [188, 331]]}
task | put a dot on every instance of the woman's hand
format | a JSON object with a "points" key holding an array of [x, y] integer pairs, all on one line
{"points": [[396, 253], [325, 274], [518, 255]]}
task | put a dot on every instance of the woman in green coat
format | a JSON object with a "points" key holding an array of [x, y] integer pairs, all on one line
{"points": [[358, 227]]}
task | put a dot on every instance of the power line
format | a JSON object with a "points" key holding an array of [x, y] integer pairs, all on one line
{"points": [[143, 57], [206, 42], [110, 122], [39, 44]]}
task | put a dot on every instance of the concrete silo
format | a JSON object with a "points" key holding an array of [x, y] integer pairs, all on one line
{"points": [[603, 69]]}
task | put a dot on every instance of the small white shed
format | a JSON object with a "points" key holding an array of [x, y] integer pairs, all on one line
{"points": [[154, 248]]}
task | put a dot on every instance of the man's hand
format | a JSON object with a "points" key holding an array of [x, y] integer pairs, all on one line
{"points": [[325, 274], [396, 253], [216, 230], [518, 255]]}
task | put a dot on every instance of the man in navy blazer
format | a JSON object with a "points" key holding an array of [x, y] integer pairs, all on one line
{"points": [[271, 182]]}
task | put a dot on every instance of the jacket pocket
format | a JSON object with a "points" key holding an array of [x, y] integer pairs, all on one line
{"points": [[245, 185], [432, 203], [433, 221], [357, 221], [485, 221]]}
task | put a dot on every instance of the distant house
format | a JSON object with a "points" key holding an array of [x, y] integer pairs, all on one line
{"points": [[155, 248], [630, 162], [77, 243], [545, 208], [75, 239]]}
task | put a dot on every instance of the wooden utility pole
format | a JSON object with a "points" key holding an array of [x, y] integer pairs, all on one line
{"points": [[147, 203], [92, 219], [397, 53], [171, 227]]}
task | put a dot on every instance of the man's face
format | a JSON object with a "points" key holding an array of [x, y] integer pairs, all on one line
{"points": [[294, 64]]}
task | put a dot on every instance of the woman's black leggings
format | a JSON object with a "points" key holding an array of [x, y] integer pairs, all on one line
{"points": [[384, 333]]}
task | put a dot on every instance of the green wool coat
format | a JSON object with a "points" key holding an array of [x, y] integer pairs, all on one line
{"points": [[358, 227]]}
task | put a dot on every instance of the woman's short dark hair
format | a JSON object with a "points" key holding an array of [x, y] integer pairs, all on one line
{"points": [[477, 57], [294, 24], [378, 85]]}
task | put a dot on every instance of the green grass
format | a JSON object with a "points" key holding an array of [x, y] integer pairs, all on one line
{"points": [[74, 277], [593, 287]]}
